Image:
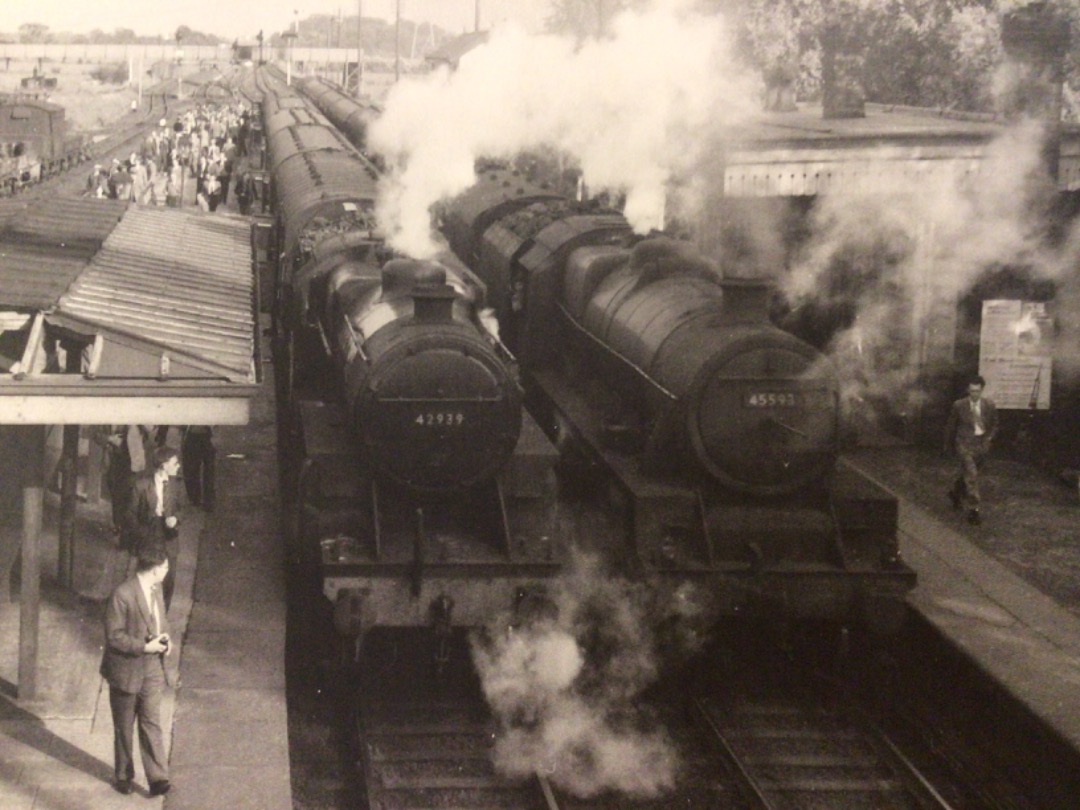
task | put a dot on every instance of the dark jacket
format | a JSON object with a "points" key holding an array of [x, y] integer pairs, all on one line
{"points": [[141, 522], [960, 429], [128, 626]]}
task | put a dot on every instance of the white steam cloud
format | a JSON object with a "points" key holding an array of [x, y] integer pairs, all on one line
{"points": [[633, 110], [566, 688], [900, 259]]}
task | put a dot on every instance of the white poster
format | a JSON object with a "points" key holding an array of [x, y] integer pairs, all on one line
{"points": [[1014, 353]]}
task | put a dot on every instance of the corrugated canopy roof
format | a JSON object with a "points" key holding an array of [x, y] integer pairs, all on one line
{"points": [[180, 280], [44, 247]]}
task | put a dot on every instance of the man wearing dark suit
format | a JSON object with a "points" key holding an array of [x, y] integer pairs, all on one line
{"points": [[197, 458], [136, 643], [151, 516], [971, 427]]}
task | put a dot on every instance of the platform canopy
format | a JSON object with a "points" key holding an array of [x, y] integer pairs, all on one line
{"points": [[784, 154], [118, 314]]}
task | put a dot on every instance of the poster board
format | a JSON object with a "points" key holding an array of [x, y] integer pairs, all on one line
{"points": [[1015, 354]]}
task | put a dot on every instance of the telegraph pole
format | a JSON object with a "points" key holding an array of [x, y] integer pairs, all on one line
{"points": [[359, 48], [289, 37]]}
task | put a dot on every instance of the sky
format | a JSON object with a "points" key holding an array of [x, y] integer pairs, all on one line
{"points": [[244, 18]]}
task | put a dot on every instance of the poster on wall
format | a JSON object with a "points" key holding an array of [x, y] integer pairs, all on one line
{"points": [[1014, 353]]}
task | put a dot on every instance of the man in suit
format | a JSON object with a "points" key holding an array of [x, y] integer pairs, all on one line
{"points": [[136, 643], [197, 458], [971, 428], [128, 447], [151, 517]]}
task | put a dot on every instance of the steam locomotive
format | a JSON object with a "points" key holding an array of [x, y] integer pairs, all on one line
{"points": [[706, 438], [423, 492], [717, 432]]}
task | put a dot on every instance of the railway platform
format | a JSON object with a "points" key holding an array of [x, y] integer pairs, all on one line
{"points": [[1004, 593], [226, 724]]}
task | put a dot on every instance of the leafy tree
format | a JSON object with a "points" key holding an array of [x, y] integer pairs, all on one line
{"points": [[33, 33], [940, 53], [583, 19], [187, 36]]}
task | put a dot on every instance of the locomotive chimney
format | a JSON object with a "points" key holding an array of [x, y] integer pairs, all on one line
{"points": [[843, 57], [746, 300], [402, 275], [433, 303], [1036, 41], [425, 282]]}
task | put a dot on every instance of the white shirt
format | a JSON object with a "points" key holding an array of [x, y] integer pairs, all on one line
{"points": [[148, 593], [160, 477], [976, 411]]}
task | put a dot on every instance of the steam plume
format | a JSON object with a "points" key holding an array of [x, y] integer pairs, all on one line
{"points": [[566, 688], [633, 110], [898, 259]]}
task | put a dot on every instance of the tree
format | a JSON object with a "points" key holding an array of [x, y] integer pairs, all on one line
{"points": [[583, 19], [930, 53], [33, 33]]}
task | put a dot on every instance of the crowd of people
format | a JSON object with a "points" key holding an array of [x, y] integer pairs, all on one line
{"points": [[205, 146]]}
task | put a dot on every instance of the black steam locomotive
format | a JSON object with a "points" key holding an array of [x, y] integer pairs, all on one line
{"points": [[713, 435], [422, 492], [717, 432]]}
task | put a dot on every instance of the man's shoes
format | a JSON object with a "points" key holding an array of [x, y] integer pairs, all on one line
{"points": [[974, 517], [159, 787], [122, 786]]}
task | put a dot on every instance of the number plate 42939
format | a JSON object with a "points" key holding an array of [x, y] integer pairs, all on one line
{"points": [[440, 419]]}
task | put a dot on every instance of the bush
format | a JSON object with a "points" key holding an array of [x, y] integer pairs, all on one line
{"points": [[110, 74]]}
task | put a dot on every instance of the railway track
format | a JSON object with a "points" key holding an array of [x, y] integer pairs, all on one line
{"points": [[758, 742], [433, 757], [786, 754]]}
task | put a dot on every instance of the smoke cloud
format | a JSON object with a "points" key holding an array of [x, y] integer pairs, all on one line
{"points": [[633, 110], [566, 688], [896, 261]]}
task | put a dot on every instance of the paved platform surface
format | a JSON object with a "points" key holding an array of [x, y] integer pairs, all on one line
{"points": [[1023, 638], [226, 724]]}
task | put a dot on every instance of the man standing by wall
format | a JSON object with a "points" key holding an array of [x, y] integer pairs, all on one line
{"points": [[971, 428]]}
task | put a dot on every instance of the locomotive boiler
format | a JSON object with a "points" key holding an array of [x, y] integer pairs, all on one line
{"points": [[422, 494], [717, 432]]}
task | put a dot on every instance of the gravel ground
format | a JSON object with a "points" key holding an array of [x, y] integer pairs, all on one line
{"points": [[1031, 520]]}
